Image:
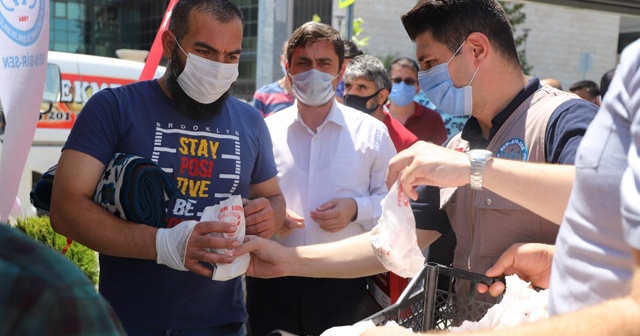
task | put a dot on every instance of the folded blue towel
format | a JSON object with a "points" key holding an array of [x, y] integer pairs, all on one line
{"points": [[135, 189], [132, 188], [41, 194]]}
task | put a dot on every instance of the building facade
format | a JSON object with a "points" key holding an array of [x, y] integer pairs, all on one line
{"points": [[567, 43], [101, 27]]}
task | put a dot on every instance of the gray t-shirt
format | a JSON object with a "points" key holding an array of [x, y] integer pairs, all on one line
{"points": [[593, 261]]}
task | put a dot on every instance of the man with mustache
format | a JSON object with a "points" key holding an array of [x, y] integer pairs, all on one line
{"points": [[332, 162], [212, 145]]}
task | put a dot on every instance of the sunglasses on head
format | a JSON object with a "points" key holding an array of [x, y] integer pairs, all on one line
{"points": [[408, 81]]}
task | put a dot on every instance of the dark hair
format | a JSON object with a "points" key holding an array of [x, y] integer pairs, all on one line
{"points": [[605, 81], [369, 68], [451, 21], [351, 49], [590, 86], [312, 32], [223, 10], [405, 62]]}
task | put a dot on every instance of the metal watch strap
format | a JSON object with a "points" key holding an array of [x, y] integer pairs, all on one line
{"points": [[478, 159]]}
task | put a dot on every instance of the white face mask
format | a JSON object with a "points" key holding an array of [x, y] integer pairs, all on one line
{"points": [[204, 80], [313, 87]]}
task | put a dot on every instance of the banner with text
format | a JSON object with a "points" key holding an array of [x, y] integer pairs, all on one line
{"points": [[24, 37]]}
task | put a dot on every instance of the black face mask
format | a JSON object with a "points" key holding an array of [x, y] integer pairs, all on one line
{"points": [[360, 103]]}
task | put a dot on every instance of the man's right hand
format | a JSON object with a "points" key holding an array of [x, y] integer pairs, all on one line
{"points": [[530, 261], [427, 164], [292, 222]]}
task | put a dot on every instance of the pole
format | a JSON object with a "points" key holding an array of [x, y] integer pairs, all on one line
{"points": [[349, 22]]}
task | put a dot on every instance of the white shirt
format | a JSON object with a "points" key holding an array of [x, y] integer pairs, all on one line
{"points": [[347, 157]]}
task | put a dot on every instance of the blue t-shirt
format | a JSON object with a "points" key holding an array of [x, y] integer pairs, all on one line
{"points": [[209, 160]]}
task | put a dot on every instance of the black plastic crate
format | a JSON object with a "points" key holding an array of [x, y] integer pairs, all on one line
{"points": [[423, 306]]}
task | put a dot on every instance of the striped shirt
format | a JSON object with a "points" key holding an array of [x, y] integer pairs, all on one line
{"points": [[271, 98]]}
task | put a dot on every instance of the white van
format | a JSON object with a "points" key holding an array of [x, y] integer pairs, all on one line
{"points": [[71, 80]]}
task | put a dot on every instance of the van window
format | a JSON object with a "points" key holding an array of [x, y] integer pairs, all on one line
{"points": [[52, 84]]}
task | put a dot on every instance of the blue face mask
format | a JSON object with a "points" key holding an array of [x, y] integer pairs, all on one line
{"points": [[437, 86], [402, 94]]}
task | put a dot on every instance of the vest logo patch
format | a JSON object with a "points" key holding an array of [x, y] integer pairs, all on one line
{"points": [[513, 149]]}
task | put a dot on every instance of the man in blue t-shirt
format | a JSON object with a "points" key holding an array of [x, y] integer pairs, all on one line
{"points": [[212, 145], [275, 96]]}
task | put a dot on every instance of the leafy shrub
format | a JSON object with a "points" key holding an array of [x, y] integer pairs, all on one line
{"points": [[40, 229]]}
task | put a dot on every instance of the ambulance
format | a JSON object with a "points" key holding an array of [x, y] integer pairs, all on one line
{"points": [[71, 80]]}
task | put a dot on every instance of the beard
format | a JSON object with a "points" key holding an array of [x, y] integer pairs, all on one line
{"points": [[186, 105]]}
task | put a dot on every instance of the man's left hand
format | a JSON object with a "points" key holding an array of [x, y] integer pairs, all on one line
{"points": [[336, 214], [259, 217]]}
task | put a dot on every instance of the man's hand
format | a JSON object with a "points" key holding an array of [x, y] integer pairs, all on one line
{"points": [[292, 222], [335, 215], [530, 261], [259, 217], [268, 258], [171, 250], [427, 164]]}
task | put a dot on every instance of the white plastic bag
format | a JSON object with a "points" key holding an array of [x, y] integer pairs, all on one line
{"points": [[394, 238], [229, 211], [520, 304]]}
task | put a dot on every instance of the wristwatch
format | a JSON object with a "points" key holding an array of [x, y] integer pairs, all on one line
{"points": [[478, 159]]}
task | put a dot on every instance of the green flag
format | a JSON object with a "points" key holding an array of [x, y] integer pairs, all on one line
{"points": [[345, 3]]}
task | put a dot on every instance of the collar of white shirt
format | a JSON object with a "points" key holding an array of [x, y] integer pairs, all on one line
{"points": [[335, 116]]}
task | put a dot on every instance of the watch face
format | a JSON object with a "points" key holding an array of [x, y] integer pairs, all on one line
{"points": [[480, 154]]}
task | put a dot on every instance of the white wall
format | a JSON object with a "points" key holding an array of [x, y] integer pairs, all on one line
{"points": [[383, 26], [560, 34]]}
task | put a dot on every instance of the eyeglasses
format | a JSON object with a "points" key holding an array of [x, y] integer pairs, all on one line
{"points": [[408, 81]]}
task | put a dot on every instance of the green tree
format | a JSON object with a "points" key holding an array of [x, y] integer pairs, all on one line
{"points": [[39, 228], [357, 30], [517, 18]]}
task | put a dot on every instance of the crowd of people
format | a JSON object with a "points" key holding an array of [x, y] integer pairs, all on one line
{"points": [[507, 174]]}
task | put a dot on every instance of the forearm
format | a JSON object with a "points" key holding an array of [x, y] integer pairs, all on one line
{"points": [[541, 188], [75, 214], [426, 237], [348, 258], [87, 223], [279, 207]]}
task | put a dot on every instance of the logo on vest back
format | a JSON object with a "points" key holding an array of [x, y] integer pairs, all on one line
{"points": [[22, 20], [513, 149]]}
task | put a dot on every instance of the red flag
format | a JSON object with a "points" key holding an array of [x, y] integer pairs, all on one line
{"points": [[155, 54]]}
